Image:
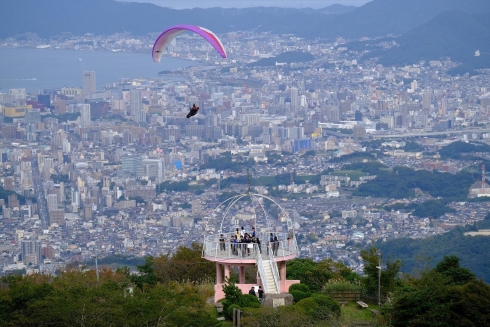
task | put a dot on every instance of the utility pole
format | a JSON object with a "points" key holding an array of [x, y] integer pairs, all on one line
{"points": [[379, 279], [97, 271]]}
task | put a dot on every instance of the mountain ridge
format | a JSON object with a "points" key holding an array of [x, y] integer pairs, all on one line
{"points": [[453, 34], [49, 18]]}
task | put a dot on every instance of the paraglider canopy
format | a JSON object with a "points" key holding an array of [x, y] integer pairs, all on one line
{"points": [[171, 33]]}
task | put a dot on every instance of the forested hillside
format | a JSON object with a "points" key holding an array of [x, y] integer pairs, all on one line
{"points": [[419, 253], [401, 181]]}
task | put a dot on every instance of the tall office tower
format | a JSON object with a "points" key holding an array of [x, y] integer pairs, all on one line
{"points": [[75, 198], [333, 114], [140, 116], [136, 104], [443, 107], [84, 115], [426, 99], [196, 207], [294, 99], [62, 191], [127, 137], [89, 85], [52, 202]]}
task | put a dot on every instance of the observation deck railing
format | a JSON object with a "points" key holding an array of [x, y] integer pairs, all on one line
{"points": [[221, 251]]}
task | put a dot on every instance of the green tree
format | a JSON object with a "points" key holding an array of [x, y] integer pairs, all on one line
{"points": [[185, 265], [147, 274], [435, 300], [389, 272], [316, 274], [450, 268]]}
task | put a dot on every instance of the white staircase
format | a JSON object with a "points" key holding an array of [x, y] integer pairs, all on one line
{"points": [[268, 279]]}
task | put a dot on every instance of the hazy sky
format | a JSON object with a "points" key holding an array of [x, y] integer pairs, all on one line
{"points": [[181, 4]]}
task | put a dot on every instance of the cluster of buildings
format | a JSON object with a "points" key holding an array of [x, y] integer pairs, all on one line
{"points": [[121, 170]]}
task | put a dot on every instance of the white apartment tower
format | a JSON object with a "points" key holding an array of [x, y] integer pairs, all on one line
{"points": [[85, 115], [136, 104]]}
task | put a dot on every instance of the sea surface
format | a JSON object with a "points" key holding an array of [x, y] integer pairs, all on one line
{"points": [[37, 69]]}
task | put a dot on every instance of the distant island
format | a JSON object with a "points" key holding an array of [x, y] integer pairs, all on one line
{"points": [[284, 58]]}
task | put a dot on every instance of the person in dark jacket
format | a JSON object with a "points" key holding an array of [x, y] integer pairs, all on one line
{"points": [[261, 294]]}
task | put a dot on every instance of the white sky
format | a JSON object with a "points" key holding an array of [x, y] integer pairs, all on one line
{"points": [[183, 4]]}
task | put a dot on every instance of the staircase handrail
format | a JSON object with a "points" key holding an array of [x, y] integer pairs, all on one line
{"points": [[260, 268], [274, 269]]}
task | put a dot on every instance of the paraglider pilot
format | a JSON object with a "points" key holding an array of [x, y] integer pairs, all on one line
{"points": [[193, 111]]}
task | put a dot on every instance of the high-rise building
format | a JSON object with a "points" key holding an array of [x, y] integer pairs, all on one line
{"points": [[31, 251], [85, 115], [44, 99], [443, 107], [196, 207], [136, 103], [333, 114], [17, 94], [75, 198], [426, 99], [153, 168], [130, 164], [388, 120], [32, 116], [294, 99], [89, 85], [66, 146], [127, 137], [52, 202], [358, 116], [140, 116]]}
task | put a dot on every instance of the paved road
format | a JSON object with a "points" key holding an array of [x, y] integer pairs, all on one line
{"points": [[41, 199], [452, 131]]}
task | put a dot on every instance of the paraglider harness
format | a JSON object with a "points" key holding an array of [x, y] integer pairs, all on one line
{"points": [[193, 111]]}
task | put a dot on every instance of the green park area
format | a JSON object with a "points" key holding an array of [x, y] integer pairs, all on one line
{"points": [[178, 291], [353, 174]]}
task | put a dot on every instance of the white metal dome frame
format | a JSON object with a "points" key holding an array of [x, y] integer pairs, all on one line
{"points": [[253, 196], [254, 199]]}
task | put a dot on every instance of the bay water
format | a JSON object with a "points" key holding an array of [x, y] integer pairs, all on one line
{"points": [[37, 69]]}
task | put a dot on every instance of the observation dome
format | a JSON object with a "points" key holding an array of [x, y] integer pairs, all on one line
{"points": [[251, 229]]}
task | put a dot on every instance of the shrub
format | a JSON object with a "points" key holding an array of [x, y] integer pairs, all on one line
{"points": [[229, 311], [308, 304], [299, 287], [326, 301], [299, 295], [320, 307], [249, 301]]}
